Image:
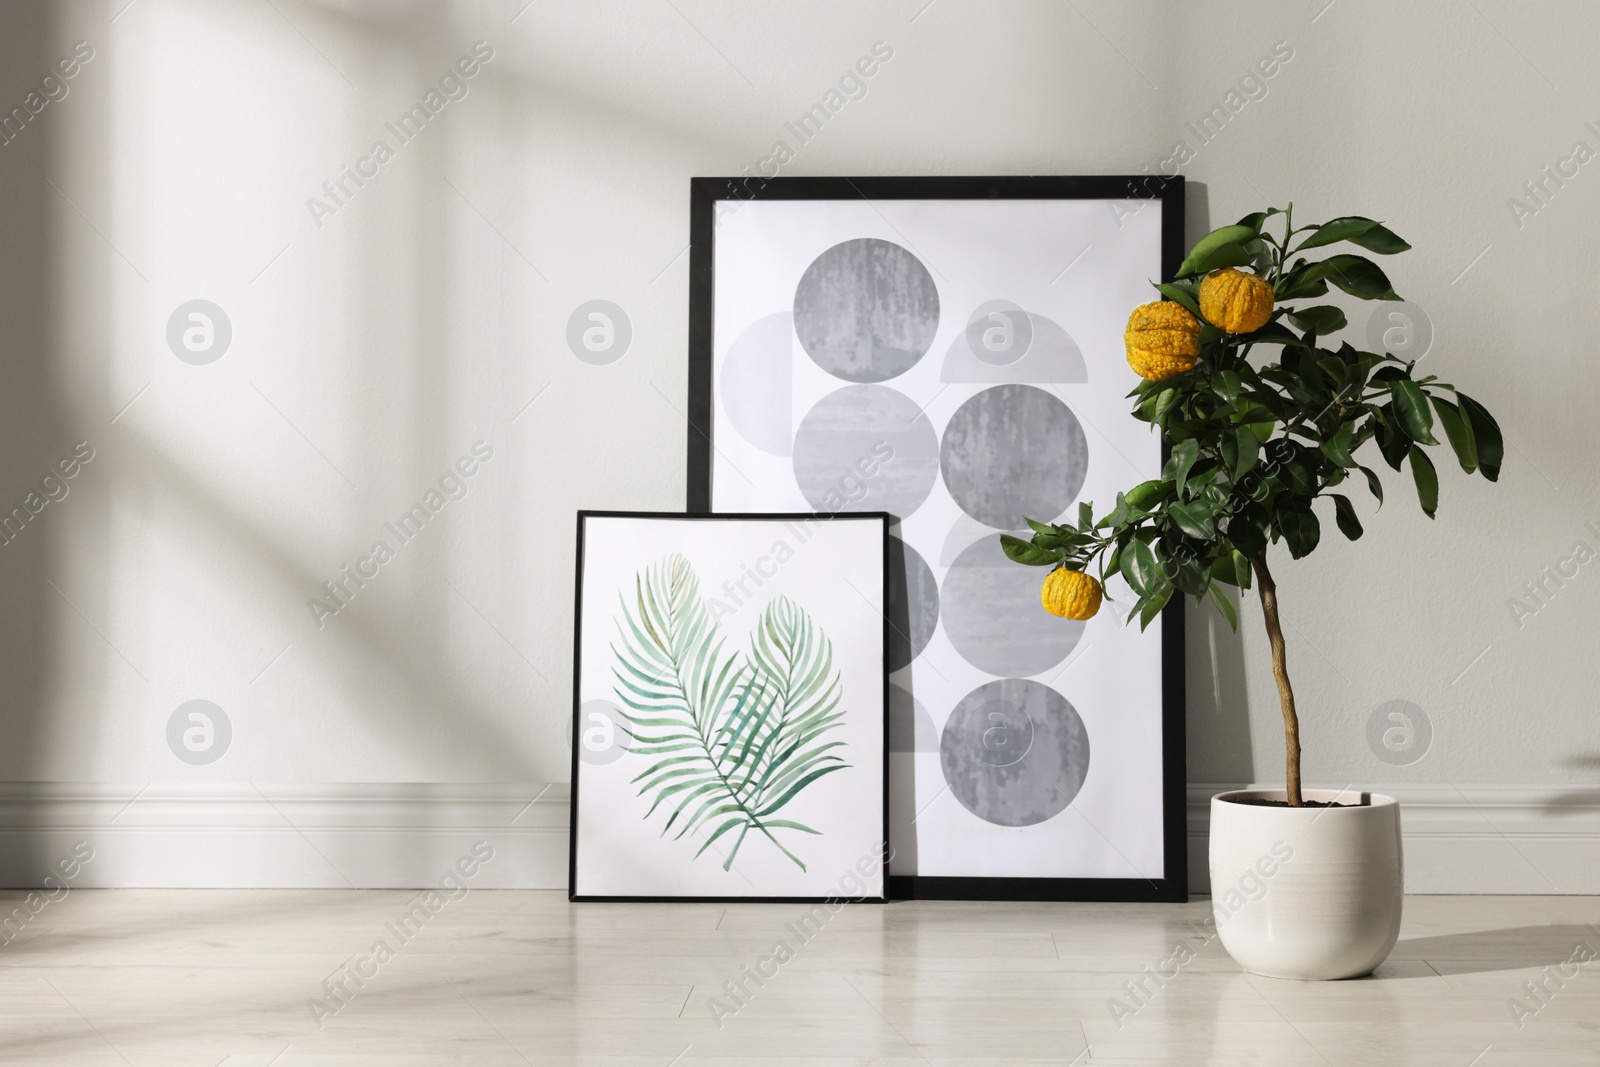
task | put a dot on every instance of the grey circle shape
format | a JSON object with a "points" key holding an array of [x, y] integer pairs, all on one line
{"points": [[1014, 752], [198, 732], [1399, 732], [910, 725], [1400, 328], [913, 604], [866, 310], [999, 333], [866, 448], [1007, 735], [603, 734], [599, 332], [991, 614], [199, 332], [1011, 453]]}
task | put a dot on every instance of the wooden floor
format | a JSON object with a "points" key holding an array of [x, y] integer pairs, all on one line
{"points": [[498, 979]]}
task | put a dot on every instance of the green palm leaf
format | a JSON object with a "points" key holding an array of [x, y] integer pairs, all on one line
{"points": [[740, 736]]}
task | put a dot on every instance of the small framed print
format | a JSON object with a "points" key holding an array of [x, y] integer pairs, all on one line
{"points": [[950, 351], [730, 708]]}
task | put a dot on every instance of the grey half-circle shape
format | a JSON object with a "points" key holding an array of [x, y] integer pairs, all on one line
{"points": [[911, 728], [755, 383], [963, 532], [1052, 357]]}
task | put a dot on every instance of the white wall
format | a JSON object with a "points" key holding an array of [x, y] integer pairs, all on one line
{"points": [[371, 352]]}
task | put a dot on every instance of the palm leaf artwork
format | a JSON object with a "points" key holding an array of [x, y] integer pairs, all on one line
{"points": [[733, 737]]}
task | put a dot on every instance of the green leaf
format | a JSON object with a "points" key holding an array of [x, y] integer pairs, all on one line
{"points": [[1059, 540], [1224, 570], [1153, 604], [1382, 240], [1205, 250], [1486, 434], [1231, 567], [1180, 295], [1392, 440], [1321, 319], [737, 820], [1140, 567], [1225, 606], [1344, 513], [1147, 495], [1241, 567], [1166, 400], [1186, 572], [1183, 456], [1192, 520], [1301, 531], [1360, 277], [1228, 255], [1249, 528], [1411, 409], [795, 788], [1299, 284], [1040, 527], [1337, 447], [1085, 515], [789, 824], [1336, 371], [1373, 236], [1341, 229], [1226, 385], [1459, 432], [1427, 480], [1025, 552], [1263, 429], [1374, 484], [1356, 275], [1273, 333], [1296, 473], [1240, 449]]}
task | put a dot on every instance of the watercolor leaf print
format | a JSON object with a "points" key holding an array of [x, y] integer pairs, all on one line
{"points": [[733, 737]]}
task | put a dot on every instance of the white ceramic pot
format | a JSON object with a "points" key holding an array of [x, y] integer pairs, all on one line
{"points": [[1307, 893]]}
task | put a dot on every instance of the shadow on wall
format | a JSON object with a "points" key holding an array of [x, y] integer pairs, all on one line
{"points": [[64, 589], [36, 428], [1219, 744], [1219, 748], [1576, 799]]}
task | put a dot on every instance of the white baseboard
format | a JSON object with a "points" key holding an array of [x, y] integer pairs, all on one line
{"points": [[1472, 839], [236, 836], [1477, 839]]}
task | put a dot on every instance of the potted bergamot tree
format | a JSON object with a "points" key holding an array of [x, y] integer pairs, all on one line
{"points": [[1265, 416]]}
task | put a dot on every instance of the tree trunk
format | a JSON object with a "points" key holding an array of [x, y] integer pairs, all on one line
{"points": [[1280, 670]]}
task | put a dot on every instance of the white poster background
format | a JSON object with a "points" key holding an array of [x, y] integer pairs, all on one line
{"points": [[1085, 264], [836, 575]]}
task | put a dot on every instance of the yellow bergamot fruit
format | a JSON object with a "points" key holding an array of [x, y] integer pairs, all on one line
{"points": [[1163, 339], [1234, 301], [1070, 594]]}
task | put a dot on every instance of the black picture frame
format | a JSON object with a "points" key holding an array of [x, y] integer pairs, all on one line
{"points": [[583, 516], [705, 193]]}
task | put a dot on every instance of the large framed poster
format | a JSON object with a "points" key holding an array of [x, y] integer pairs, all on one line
{"points": [[949, 351], [730, 731]]}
